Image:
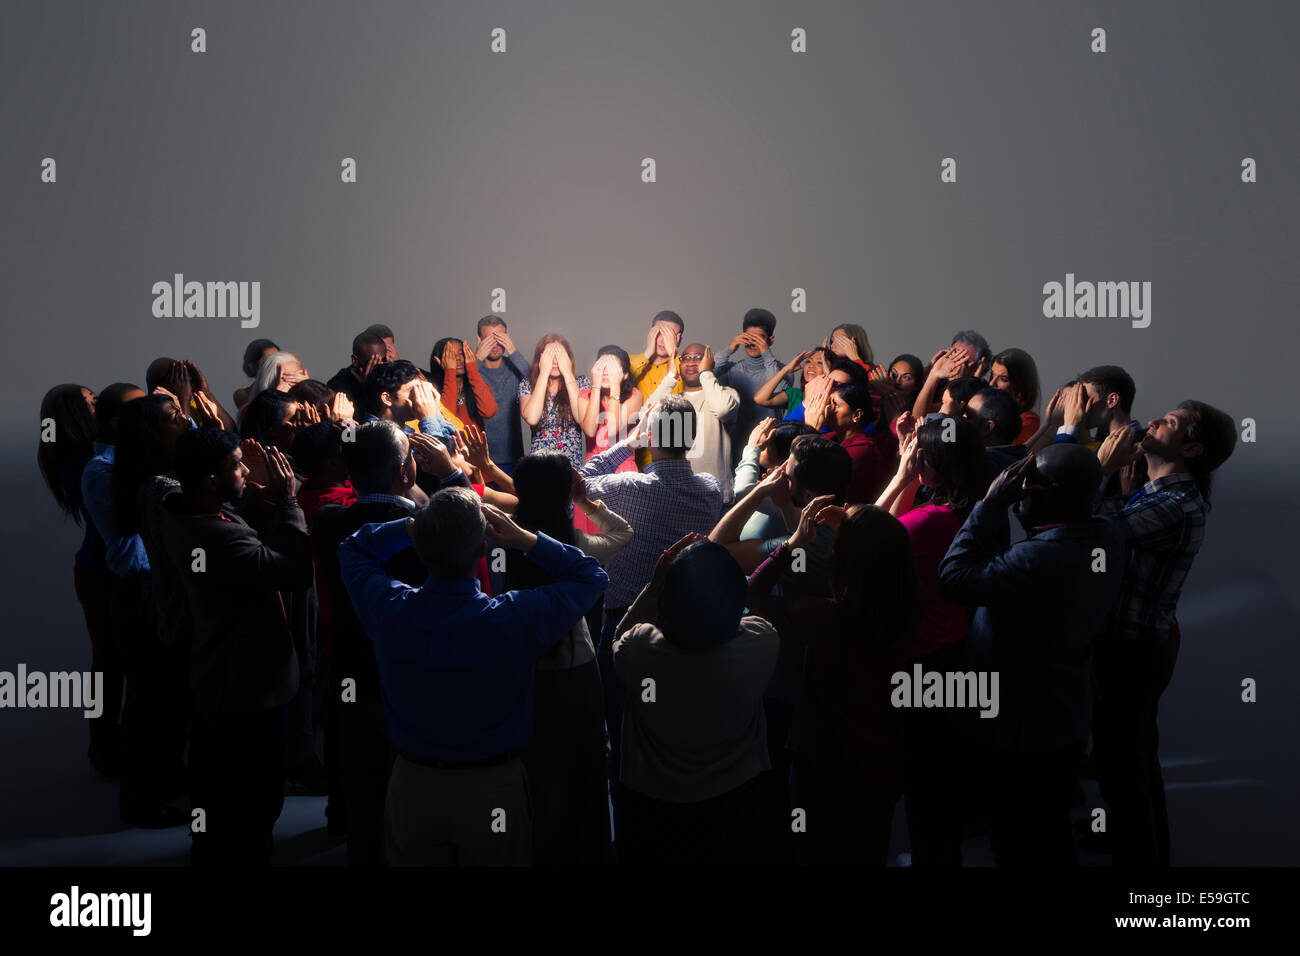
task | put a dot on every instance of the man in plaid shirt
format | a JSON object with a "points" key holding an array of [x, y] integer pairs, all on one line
{"points": [[1165, 523], [662, 504]]}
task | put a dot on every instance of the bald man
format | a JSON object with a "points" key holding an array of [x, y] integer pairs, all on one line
{"points": [[1040, 604]]}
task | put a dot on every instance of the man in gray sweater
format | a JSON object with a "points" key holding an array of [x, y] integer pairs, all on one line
{"points": [[745, 365]]}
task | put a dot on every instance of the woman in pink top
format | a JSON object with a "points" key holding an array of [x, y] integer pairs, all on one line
{"points": [[606, 421], [946, 457]]}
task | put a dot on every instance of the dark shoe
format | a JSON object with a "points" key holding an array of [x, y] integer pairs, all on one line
{"points": [[306, 778], [156, 818], [336, 818], [1100, 843]]}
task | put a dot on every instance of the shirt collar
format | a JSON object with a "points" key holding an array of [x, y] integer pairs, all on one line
{"points": [[1178, 478], [382, 497], [460, 587], [670, 465]]}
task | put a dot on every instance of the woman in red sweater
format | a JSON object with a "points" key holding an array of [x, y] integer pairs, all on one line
{"points": [[465, 393]]}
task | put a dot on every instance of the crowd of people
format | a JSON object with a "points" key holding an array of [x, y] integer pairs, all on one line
{"points": [[662, 627]]}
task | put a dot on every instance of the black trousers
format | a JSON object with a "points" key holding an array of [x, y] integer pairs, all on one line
{"points": [[156, 700], [1029, 806], [844, 827], [366, 762], [566, 769], [726, 830], [938, 790], [613, 690], [94, 588], [237, 767], [1129, 677]]}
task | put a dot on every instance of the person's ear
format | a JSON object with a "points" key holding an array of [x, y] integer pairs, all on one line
{"points": [[1193, 449], [1112, 400]]}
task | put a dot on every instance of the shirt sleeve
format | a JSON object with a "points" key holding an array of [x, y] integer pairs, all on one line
{"points": [[980, 568], [722, 401], [1153, 522], [373, 592], [556, 607], [487, 402], [519, 364], [614, 535]]}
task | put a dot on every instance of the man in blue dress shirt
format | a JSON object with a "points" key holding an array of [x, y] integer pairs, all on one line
{"points": [[456, 673]]}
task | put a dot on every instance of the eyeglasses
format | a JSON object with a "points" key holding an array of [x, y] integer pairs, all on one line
{"points": [[692, 358]]}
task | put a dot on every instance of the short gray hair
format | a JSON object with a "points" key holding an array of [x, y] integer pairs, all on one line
{"points": [[672, 426], [448, 533]]}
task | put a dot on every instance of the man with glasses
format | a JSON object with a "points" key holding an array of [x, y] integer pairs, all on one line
{"points": [[715, 405]]}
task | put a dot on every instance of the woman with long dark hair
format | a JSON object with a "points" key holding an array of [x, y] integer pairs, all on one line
{"points": [[846, 736], [67, 443], [1014, 371], [551, 403], [465, 392], [566, 759], [147, 431], [947, 457]]}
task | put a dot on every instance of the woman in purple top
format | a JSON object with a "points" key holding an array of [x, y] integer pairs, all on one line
{"points": [[947, 457], [846, 736]]}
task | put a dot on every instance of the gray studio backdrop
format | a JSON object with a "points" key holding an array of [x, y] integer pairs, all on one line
{"points": [[775, 170]]}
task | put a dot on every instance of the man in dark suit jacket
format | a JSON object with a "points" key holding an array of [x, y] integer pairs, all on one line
{"points": [[1041, 602], [382, 465], [243, 669]]}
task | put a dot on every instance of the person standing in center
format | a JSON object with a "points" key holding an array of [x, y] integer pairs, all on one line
{"points": [[551, 403]]}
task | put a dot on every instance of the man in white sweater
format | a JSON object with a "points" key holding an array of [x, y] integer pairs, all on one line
{"points": [[715, 405]]}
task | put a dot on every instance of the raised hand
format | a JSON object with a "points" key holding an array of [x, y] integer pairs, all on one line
{"points": [[1119, 450], [845, 346], [281, 483], [341, 407], [424, 399], [706, 364], [1014, 483], [807, 528], [563, 361], [254, 458], [476, 448], [502, 529], [371, 363], [207, 411], [197, 380], [431, 455], [1076, 404], [909, 458], [666, 559], [907, 425], [758, 437], [467, 354], [832, 516], [177, 381]]}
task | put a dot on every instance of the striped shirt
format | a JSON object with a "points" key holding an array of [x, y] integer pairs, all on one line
{"points": [[1164, 523], [662, 504]]}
